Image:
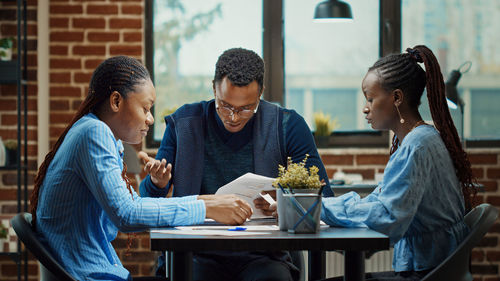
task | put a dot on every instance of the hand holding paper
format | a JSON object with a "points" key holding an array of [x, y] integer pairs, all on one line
{"points": [[248, 187]]}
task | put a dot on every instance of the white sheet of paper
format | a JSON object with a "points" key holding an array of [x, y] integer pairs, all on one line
{"points": [[248, 188], [208, 231]]}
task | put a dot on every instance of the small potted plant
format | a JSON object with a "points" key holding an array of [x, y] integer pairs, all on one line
{"points": [[6, 46], [11, 152], [324, 127], [299, 197]]}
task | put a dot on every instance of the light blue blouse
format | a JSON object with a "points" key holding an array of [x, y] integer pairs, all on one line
{"points": [[84, 202], [418, 204]]}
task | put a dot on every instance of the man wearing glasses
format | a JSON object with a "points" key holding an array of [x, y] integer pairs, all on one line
{"points": [[211, 143]]}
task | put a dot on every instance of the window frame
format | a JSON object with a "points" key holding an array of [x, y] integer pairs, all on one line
{"points": [[273, 55]]}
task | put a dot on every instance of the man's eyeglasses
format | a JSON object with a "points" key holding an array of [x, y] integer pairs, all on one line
{"points": [[229, 111]]}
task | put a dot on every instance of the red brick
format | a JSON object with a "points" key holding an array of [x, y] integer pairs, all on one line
{"points": [[133, 268], [8, 29], [476, 159], [493, 256], [478, 172], [31, 75], [337, 159], [8, 14], [61, 117], [59, 105], [59, 50], [89, 50], [66, 9], [6, 105], [484, 269], [477, 255], [60, 77], [128, 50], [103, 36], [55, 132], [140, 256], [373, 159], [67, 91], [368, 174], [65, 63], [132, 9], [330, 172], [92, 64], [89, 23], [132, 36], [32, 30], [102, 9], [32, 60], [119, 23], [66, 36], [495, 228], [493, 173], [11, 270], [59, 22], [11, 120], [489, 186], [76, 104], [82, 77], [493, 200]]}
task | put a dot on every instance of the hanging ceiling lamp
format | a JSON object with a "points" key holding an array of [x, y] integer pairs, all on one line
{"points": [[332, 11]]}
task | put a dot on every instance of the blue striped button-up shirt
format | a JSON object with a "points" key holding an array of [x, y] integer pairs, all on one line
{"points": [[84, 202]]}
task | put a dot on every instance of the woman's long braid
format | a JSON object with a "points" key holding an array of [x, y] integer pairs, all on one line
{"points": [[402, 71], [444, 124], [119, 74]]}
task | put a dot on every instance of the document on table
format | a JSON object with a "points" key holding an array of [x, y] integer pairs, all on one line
{"points": [[219, 230], [248, 188]]}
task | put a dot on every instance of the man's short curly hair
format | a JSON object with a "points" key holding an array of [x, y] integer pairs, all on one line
{"points": [[241, 67]]}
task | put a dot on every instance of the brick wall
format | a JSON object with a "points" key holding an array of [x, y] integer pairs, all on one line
{"points": [[82, 34]]}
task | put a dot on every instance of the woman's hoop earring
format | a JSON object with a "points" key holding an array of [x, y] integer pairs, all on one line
{"points": [[401, 120]]}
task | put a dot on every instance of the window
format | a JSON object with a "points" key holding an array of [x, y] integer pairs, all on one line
{"points": [[310, 66], [188, 38], [326, 62], [459, 31]]}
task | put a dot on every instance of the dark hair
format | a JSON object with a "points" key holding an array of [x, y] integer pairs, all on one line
{"points": [[241, 67], [402, 71], [121, 74]]}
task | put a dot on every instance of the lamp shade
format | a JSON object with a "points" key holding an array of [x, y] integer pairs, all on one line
{"points": [[333, 9]]}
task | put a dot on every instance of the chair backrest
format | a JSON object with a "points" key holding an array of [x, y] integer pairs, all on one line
{"points": [[456, 266], [299, 261], [50, 269]]}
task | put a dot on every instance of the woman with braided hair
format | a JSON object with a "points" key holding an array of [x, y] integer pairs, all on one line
{"points": [[427, 185], [82, 197]]}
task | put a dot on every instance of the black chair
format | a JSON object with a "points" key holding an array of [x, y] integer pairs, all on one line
{"points": [[456, 266], [50, 269]]}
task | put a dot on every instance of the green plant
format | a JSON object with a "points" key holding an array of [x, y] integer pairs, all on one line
{"points": [[4, 231], [324, 126], [7, 42], [297, 176]]}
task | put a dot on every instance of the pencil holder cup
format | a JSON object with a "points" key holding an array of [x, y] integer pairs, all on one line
{"points": [[299, 212]]}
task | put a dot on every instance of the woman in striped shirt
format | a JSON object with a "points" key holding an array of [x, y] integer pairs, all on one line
{"points": [[82, 198]]}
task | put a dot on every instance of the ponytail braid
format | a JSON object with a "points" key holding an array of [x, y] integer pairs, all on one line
{"points": [[444, 124], [119, 74]]}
